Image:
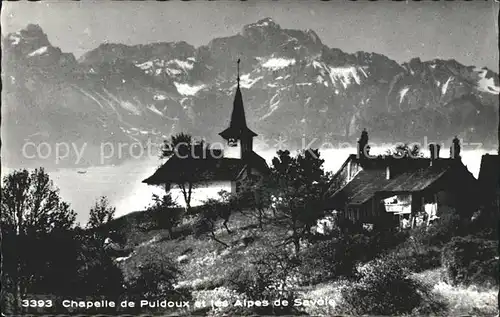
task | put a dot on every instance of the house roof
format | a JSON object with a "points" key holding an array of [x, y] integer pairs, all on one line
{"points": [[204, 169], [413, 176]]}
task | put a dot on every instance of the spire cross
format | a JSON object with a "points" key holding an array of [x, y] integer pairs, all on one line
{"points": [[238, 67]]}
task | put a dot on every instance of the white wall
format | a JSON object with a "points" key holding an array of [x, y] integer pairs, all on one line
{"points": [[233, 151], [201, 192]]}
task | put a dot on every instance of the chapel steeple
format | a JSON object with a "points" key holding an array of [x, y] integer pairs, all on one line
{"points": [[238, 133]]}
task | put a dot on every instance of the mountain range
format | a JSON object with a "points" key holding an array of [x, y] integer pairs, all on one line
{"points": [[294, 87]]}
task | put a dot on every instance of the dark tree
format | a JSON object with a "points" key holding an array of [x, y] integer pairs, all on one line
{"points": [[183, 146], [166, 212], [254, 197], [31, 207], [217, 209], [299, 187], [100, 213]]}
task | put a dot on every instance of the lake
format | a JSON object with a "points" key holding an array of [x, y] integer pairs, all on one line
{"points": [[122, 184]]}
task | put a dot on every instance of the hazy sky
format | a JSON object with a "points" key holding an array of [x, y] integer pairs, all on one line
{"points": [[466, 31]]}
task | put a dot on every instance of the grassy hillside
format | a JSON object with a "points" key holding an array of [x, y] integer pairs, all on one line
{"points": [[206, 267]]}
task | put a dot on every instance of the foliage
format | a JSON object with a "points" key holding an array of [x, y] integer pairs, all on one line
{"points": [[213, 210], [485, 223], [272, 275], [61, 263], [96, 271], [254, 195], [180, 145], [405, 151], [100, 213], [385, 288], [184, 146], [331, 259], [299, 185], [153, 277], [166, 213], [470, 260], [31, 210], [31, 204], [416, 256]]}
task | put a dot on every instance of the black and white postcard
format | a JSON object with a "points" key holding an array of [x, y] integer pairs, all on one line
{"points": [[250, 158]]}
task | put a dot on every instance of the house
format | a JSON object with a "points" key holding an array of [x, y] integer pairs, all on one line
{"points": [[489, 181], [214, 170], [404, 190]]}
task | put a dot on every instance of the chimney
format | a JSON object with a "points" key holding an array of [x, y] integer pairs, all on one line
{"points": [[434, 151], [455, 148], [387, 172]]}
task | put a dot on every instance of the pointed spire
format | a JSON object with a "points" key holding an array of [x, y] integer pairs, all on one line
{"points": [[238, 125], [238, 67]]}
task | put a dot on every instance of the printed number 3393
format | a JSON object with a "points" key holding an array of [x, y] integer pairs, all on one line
{"points": [[37, 303]]}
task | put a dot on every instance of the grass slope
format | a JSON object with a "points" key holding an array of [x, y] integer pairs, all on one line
{"points": [[206, 264]]}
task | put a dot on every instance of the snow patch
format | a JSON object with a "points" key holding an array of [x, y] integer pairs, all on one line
{"points": [[445, 86], [182, 64], [317, 64], [40, 51], [159, 97], [487, 84], [15, 39], [155, 110], [145, 65], [130, 107], [402, 94], [188, 90], [173, 72], [345, 75], [363, 71], [278, 63], [275, 100], [247, 82]]}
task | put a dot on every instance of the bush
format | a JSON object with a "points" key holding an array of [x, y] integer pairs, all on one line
{"points": [[440, 232], [385, 288], [97, 273], [165, 213], [417, 257], [330, 259], [271, 275], [470, 260]]}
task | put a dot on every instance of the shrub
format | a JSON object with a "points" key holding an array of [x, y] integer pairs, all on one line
{"points": [[440, 232], [469, 260], [330, 260], [165, 212], [272, 275], [416, 256], [385, 288], [97, 273]]}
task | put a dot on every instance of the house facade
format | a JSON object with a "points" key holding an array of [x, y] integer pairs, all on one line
{"points": [[217, 170], [403, 190]]}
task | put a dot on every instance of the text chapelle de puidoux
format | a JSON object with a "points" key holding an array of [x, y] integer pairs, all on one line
{"points": [[298, 302]]}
